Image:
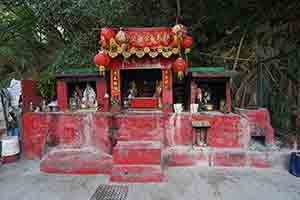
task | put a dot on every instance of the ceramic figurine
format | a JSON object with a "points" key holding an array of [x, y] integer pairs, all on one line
{"points": [[132, 90], [44, 106], [207, 100], [31, 109], [222, 106], [89, 98], [206, 97]]}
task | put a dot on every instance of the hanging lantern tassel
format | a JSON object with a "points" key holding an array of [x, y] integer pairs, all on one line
{"points": [[180, 75], [101, 70]]}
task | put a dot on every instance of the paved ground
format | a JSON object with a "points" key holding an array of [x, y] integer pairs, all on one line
{"points": [[24, 181]]}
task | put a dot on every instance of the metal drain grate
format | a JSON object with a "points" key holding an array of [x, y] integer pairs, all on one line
{"points": [[110, 192]]}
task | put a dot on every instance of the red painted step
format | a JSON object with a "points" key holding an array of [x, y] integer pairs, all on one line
{"points": [[137, 153], [137, 173], [134, 134], [76, 161]]}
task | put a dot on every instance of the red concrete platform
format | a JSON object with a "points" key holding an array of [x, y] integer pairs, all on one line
{"points": [[137, 153], [76, 161], [234, 158], [215, 157], [186, 156], [10, 159], [137, 173]]}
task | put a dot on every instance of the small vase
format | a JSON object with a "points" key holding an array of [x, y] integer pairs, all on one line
{"points": [[194, 108]]}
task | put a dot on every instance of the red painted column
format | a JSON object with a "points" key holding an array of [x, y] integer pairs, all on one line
{"points": [[29, 94], [228, 96], [193, 92], [101, 91], [167, 94], [115, 90], [62, 95]]}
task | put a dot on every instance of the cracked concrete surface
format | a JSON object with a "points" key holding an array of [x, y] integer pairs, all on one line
{"points": [[24, 181]]}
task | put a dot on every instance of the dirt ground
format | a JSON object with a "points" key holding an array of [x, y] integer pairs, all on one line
{"points": [[24, 181]]}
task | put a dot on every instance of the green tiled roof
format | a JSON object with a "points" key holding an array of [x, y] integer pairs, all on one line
{"points": [[78, 70], [202, 69]]}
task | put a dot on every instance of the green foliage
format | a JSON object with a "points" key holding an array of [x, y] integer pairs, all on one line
{"points": [[46, 85]]}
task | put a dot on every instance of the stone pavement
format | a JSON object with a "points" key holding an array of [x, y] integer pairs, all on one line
{"points": [[24, 181]]}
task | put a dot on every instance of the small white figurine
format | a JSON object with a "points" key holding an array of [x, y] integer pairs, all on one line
{"points": [[89, 98], [132, 90]]}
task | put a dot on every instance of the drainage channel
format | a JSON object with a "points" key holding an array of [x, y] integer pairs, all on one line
{"points": [[110, 192]]}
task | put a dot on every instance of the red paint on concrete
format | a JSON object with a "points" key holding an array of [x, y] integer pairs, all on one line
{"points": [[76, 162], [137, 153], [186, 156], [228, 159], [68, 129], [144, 141], [259, 160], [9, 159], [140, 127], [260, 123], [226, 131]]}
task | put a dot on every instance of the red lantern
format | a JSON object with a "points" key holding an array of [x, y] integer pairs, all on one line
{"points": [[187, 42], [101, 60], [179, 66], [108, 33]]}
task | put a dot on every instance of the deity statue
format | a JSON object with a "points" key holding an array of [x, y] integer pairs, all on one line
{"points": [[207, 97], [207, 100], [89, 98], [132, 90]]}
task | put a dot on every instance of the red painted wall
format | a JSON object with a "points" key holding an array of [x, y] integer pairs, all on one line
{"points": [[260, 123], [227, 131], [29, 94], [74, 130]]}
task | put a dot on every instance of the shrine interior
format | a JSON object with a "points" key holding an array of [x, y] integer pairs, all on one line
{"points": [[216, 88], [145, 79], [80, 85]]}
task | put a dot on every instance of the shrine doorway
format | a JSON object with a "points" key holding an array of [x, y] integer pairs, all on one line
{"points": [[145, 82]]}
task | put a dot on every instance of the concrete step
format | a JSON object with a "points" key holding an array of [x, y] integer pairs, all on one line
{"points": [[186, 156], [137, 173], [137, 153], [76, 161]]}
